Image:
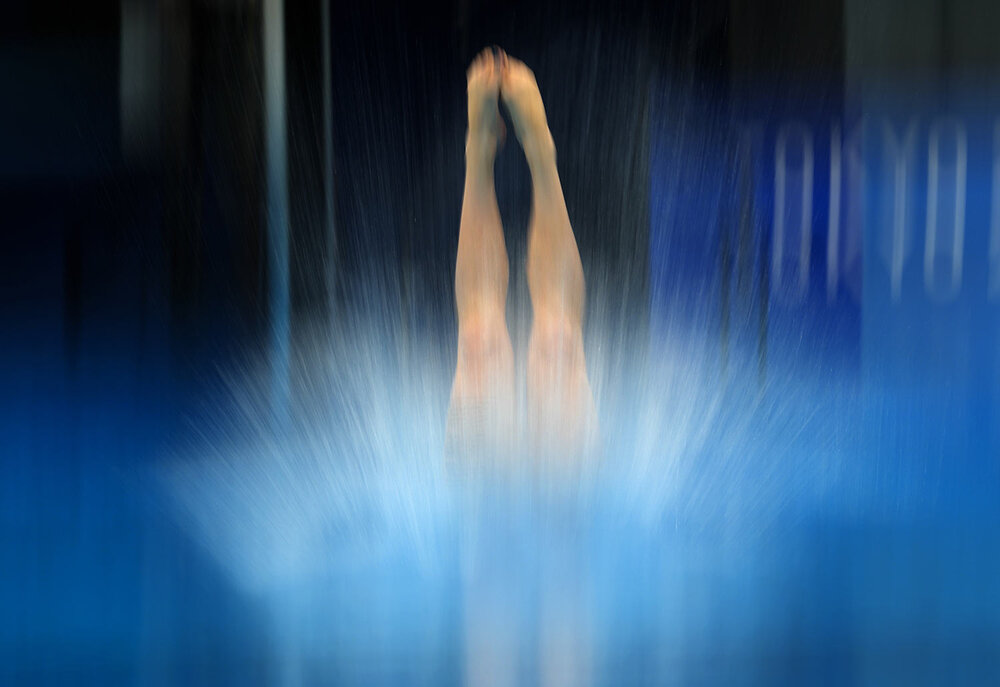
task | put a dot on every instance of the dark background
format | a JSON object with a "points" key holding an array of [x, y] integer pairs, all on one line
{"points": [[132, 210]]}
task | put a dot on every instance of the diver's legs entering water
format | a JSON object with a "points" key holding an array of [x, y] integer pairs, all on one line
{"points": [[481, 410], [481, 417], [561, 411], [562, 418]]}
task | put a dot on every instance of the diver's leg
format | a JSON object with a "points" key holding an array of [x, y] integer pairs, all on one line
{"points": [[565, 629], [491, 606], [561, 404], [480, 412]]}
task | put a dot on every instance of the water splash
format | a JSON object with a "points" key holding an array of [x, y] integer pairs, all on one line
{"points": [[347, 497]]}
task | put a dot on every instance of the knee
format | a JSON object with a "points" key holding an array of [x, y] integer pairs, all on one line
{"points": [[482, 339], [556, 341]]}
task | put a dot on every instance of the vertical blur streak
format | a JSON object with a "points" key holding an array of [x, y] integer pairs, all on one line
{"points": [[138, 83], [277, 201], [331, 229], [279, 298], [994, 278]]}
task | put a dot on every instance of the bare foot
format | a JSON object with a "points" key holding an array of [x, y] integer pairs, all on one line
{"points": [[485, 124], [524, 103]]}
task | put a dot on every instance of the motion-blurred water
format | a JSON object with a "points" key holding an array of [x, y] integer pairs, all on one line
{"points": [[737, 534]]}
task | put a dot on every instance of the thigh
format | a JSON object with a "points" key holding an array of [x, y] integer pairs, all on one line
{"points": [[562, 416], [481, 412]]}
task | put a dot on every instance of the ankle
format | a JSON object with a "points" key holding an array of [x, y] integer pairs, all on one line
{"points": [[541, 158], [480, 150], [540, 150]]}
